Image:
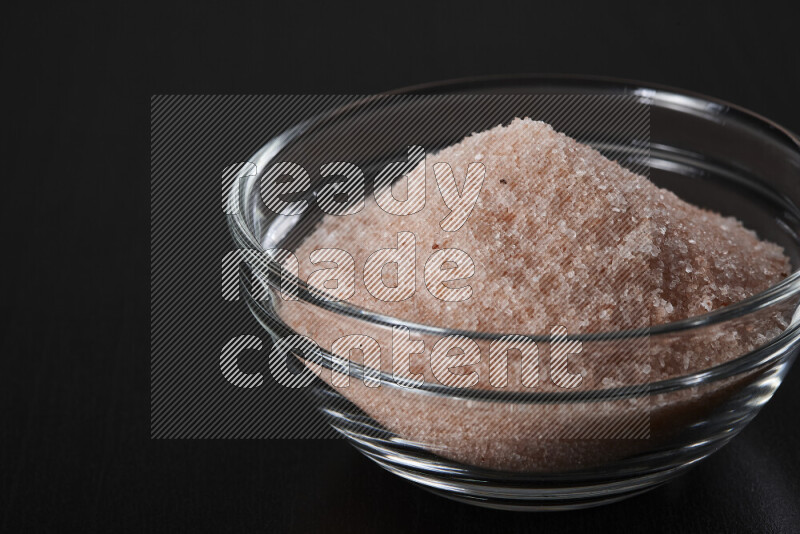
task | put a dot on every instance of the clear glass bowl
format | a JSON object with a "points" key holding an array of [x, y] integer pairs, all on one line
{"points": [[712, 154]]}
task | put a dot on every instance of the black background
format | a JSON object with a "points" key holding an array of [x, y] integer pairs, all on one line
{"points": [[75, 448]]}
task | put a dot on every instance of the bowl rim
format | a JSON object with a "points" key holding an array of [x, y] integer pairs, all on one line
{"points": [[785, 289]]}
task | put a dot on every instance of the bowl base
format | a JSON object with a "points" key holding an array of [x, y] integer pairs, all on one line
{"points": [[534, 497]]}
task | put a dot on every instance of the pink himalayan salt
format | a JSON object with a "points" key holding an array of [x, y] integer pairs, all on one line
{"points": [[560, 235], [557, 234]]}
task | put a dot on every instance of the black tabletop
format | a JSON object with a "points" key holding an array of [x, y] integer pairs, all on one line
{"points": [[76, 450]]}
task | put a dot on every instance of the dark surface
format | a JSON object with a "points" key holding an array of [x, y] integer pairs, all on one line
{"points": [[75, 447]]}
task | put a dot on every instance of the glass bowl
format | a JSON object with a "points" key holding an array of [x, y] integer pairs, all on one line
{"points": [[517, 448]]}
